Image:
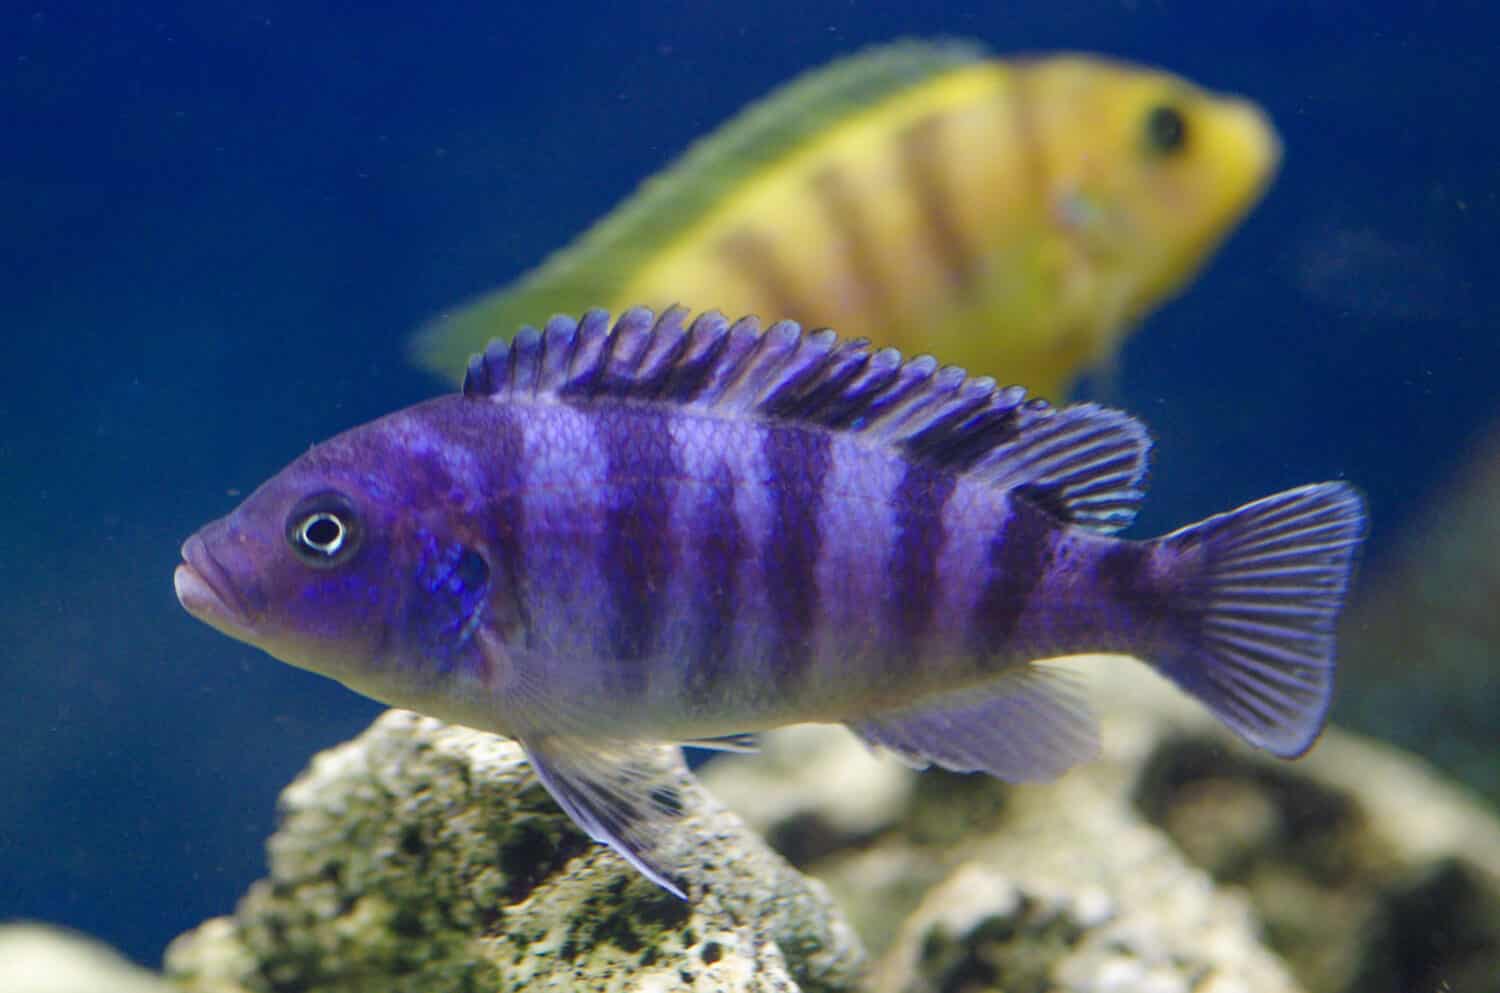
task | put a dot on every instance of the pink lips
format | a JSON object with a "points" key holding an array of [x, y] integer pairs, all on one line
{"points": [[204, 590]]}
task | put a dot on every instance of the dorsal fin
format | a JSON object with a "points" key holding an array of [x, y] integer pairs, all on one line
{"points": [[1083, 463], [600, 263]]}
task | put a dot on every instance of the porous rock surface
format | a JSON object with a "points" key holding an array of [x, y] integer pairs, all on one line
{"points": [[973, 886], [426, 857], [1180, 860]]}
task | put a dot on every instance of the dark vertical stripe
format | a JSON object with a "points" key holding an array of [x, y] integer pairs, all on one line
{"points": [[719, 541], [501, 438], [923, 165], [1119, 569], [846, 215], [1028, 139], [1075, 335], [1019, 557], [635, 558], [797, 461], [1141, 613], [754, 255], [920, 535]]}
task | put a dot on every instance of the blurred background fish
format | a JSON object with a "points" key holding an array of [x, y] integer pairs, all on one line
{"points": [[1017, 217]]}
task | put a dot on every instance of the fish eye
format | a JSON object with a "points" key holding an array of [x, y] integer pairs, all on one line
{"points": [[323, 529], [1166, 129], [322, 532]]}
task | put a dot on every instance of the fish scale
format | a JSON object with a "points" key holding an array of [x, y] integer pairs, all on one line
{"points": [[660, 529], [788, 559], [857, 580], [636, 558], [709, 589], [797, 466]]}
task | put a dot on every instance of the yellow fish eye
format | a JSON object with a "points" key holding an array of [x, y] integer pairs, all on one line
{"points": [[1166, 130]]}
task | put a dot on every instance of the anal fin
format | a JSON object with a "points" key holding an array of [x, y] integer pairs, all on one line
{"points": [[621, 793], [1029, 725]]}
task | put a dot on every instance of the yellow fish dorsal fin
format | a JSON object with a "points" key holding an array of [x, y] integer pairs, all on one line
{"points": [[589, 272]]}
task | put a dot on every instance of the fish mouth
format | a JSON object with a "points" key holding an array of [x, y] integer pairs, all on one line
{"points": [[204, 590]]}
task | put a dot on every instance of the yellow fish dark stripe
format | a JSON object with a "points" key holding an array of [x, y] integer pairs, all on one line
{"points": [[753, 254], [937, 202], [846, 215]]}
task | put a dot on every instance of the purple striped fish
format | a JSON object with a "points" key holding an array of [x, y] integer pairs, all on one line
{"points": [[663, 531]]}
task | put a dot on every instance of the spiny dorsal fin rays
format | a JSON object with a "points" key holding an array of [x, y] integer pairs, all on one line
{"points": [[1083, 463]]}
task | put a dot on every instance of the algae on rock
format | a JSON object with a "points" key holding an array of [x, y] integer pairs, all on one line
{"points": [[426, 857]]}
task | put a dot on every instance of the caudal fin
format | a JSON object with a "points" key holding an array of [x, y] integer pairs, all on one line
{"points": [[1265, 584]]}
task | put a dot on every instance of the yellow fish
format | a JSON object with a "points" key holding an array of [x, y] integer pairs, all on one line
{"points": [[1017, 217]]}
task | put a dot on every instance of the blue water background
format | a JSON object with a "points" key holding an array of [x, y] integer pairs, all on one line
{"points": [[221, 221]]}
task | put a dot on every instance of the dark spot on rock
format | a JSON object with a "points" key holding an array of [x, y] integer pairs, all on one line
{"points": [[947, 807], [411, 841], [955, 966], [1013, 950], [661, 909], [276, 925], [1279, 814], [711, 952], [490, 917], [407, 924], [631, 923], [1439, 929], [687, 976], [649, 956], [996, 927], [533, 853], [569, 949], [808, 837], [618, 930]]}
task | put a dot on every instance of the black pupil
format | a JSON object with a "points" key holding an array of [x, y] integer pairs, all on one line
{"points": [[1165, 129], [322, 532]]}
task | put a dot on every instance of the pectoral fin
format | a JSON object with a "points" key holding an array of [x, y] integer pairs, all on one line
{"points": [[622, 793]]}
